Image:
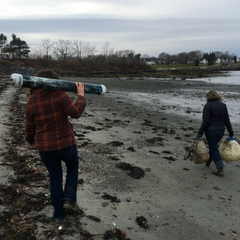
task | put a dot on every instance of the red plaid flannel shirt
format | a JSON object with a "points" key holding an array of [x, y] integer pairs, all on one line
{"points": [[47, 119]]}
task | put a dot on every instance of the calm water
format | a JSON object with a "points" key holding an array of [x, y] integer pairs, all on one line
{"points": [[232, 78], [182, 101]]}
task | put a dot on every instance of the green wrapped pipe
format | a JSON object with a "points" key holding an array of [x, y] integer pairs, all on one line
{"points": [[19, 80]]}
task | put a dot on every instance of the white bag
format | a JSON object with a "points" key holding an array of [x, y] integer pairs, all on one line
{"points": [[200, 152], [229, 150]]}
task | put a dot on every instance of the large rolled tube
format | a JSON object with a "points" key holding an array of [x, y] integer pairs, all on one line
{"points": [[19, 80]]}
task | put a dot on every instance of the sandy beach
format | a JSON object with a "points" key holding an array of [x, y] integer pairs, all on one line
{"points": [[131, 165]]}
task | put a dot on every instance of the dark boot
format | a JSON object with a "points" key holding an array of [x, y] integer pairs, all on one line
{"points": [[208, 162], [70, 205], [218, 172]]}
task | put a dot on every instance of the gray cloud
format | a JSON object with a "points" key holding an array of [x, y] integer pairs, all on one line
{"points": [[151, 36], [121, 8], [149, 27]]}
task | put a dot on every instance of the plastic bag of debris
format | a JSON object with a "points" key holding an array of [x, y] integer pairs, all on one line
{"points": [[229, 150], [200, 152], [197, 152]]}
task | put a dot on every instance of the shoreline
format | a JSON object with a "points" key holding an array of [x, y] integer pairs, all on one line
{"points": [[180, 200], [181, 73]]}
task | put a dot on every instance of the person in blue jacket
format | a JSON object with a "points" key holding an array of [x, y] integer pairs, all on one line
{"points": [[214, 120]]}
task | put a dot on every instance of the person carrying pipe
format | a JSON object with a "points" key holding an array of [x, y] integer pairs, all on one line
{"points": [[47, 127]]}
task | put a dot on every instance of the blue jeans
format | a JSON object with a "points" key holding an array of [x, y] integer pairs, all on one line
{"points": [[213, 137], [52, 161]]}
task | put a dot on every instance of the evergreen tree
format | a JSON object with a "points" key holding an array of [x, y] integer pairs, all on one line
{"points": [[210, 57], [3, 41], [17, 48], [235, 59], [196, 62]]}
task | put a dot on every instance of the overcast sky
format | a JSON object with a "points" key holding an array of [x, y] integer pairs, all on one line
{"points": [[145, 26]]}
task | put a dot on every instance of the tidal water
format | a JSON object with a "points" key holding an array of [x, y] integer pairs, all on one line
{"points": [[187, 103], [232, 78]]}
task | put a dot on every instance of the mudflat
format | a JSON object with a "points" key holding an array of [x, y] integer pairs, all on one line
{"points": [[131, 165]]}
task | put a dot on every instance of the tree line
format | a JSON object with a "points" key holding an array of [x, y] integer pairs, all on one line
{"points": [[78, 53], [195, 57], [60, 50], [70, 54]]}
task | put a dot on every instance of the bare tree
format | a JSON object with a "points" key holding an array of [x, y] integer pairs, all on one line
{"points": [[92, 51], [45, 47], [89, 50], [105, 48], [111, 51], [199, 54], [78, 47], [146, 56], [36, 54], [124, 53], [218, 54], [162, 57], [183, 58], [192, 56], [63, 49], [169, 58]]}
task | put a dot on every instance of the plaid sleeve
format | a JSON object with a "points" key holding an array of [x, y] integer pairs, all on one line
{"points": [[30, 128], [72, 109]]}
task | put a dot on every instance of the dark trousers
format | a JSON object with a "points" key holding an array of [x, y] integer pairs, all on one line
{"points": [[53, 162], [213, 137]]}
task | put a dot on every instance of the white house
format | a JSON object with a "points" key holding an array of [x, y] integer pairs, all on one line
{"points": [[149, 61], [204, 61], [218, 60]]}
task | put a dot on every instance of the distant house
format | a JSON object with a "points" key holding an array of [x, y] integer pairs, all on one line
{"points": [[227, 61], [204, 61], [149, 61]]}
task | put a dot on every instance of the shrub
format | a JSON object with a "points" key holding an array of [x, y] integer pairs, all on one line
{"points": [[6, 62]]}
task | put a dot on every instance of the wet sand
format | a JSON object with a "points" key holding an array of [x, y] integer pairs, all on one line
{"points": [[131, 164]]}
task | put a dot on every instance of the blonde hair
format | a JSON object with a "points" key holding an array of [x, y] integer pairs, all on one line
{"points": [[214, 95]]}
